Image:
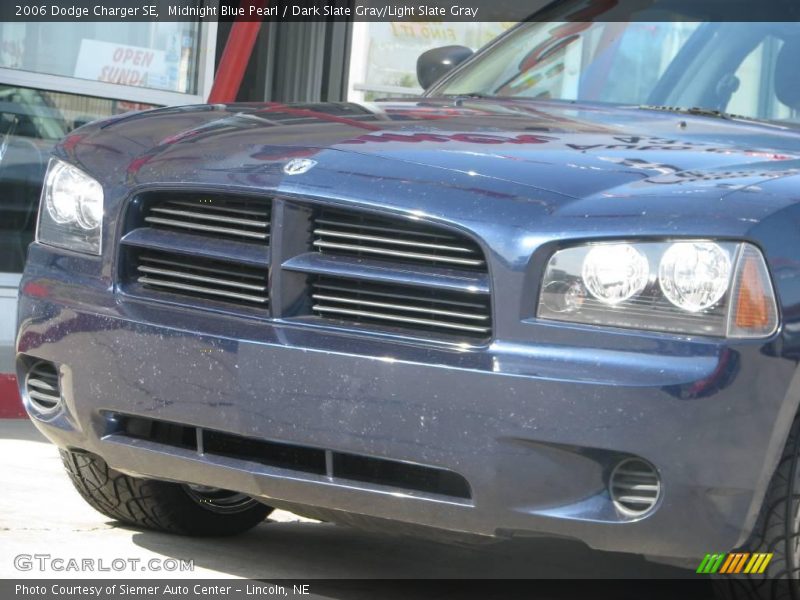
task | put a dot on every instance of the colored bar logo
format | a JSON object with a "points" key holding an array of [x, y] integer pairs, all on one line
{"points": [[735, 562]]}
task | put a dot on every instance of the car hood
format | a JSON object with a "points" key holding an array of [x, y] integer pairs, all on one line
{"points": [[565, 158]]}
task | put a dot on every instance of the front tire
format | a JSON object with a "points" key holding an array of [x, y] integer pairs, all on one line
{"points": [[777, 530], [161, 505]]}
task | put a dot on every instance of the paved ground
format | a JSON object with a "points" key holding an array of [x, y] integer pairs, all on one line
{"points": [[41, 513]]}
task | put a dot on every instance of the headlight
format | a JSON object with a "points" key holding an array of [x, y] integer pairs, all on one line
{"points": [[71, 212], [612, 273], [694, 275], [689, 287]]}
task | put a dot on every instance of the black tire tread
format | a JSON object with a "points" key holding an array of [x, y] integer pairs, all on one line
{"points": [[774, 532], [150, 503]]}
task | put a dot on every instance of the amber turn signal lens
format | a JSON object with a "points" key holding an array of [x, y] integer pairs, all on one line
{"points": [[751, 305], [754, 309]]}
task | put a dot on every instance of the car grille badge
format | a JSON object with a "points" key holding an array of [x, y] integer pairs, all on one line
{"points": [[298, 166]]}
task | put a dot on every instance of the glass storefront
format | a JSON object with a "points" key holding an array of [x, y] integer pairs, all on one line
{"points": [[162, 56]]}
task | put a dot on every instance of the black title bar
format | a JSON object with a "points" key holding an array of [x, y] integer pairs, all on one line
{"points": [[398, 10]]}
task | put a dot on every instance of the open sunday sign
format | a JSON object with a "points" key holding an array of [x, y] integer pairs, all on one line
{"points": [[119, 63]]}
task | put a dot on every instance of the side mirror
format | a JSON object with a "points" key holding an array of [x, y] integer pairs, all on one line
{"points": [[82, 120], [433, 64]]}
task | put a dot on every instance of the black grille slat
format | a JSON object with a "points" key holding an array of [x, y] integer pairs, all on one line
{"points": [[394, 253], [201, 267], [402, 244], [220, 216], [421, 308], [405, 295], [213, 217], [428, 246], [393, 239], [203, 278], [408, 308], [198, 277], [228, 208], [383, 228]]}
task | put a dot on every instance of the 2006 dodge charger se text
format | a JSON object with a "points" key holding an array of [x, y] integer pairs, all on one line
{"points": [[543, 298]]}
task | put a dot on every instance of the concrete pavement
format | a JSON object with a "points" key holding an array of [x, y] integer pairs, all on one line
{"points": [[40, 513]]}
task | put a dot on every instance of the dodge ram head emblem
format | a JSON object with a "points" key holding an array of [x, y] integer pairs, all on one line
{"points": [[298, 166]]}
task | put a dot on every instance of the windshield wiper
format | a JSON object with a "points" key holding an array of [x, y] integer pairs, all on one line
{"points": [[478, 95], [695, 111], [718, 114]]}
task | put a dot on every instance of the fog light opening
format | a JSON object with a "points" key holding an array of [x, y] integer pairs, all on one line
{"points": [[43, 387], [634, 487]]}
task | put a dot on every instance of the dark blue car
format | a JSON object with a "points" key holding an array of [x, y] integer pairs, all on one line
{"points": [[559, 294]]}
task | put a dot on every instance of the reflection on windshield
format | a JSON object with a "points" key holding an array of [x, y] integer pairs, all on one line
{"points": [[741, 68]]}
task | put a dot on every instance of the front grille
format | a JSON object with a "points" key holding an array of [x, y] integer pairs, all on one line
{"points": [[202, 277], [425, 309], [337, 466], [398, 240], [390, 274], [43, 387], [211, 215]]}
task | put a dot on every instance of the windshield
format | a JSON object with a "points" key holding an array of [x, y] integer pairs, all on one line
{"points": [[746, 69]]}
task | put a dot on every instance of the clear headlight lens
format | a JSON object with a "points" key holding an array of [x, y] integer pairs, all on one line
{"points": [[689, 287], [71, 214], [612, 273], [694, 275]]}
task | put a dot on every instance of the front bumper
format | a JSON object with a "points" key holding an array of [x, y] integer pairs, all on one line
{"points": [[535, 430]]}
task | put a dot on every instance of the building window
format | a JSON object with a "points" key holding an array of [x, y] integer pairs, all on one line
{"points": [[159, 56]]}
